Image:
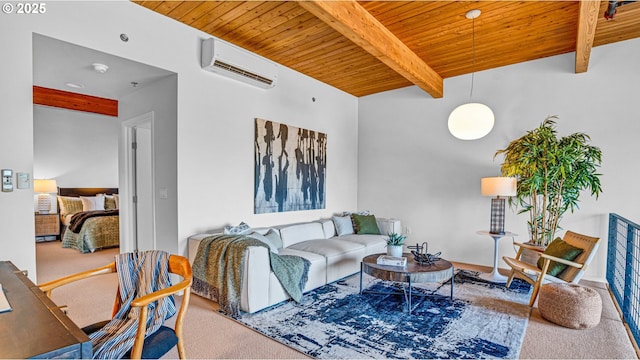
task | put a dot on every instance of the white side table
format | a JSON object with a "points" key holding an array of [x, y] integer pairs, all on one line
{"points": [[494, 275]]}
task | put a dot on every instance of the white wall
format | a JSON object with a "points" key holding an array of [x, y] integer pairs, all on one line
{"points": [[215, 119], [160, 98], [411, 168], [76, 148]]}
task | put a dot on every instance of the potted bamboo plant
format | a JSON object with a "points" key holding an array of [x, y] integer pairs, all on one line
{"points": [[552, 172]]}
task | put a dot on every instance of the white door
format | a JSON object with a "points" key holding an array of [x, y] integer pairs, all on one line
{"points": [[137, 202], [144, 188]]}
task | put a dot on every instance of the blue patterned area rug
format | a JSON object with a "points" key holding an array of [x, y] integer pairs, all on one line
{"points": [[484, 320]]}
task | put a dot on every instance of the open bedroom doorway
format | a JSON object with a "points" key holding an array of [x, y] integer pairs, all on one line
{"points": [[138, 156], [83, 149]]}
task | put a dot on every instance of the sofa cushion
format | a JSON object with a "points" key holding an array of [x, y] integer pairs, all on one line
{"points": [[328, 228], [317, 271], [388, 226], [301, 232], [327, 248], [365, 224], [344, 225], [373, 243], [272, 246], [240, 229], [274, 236]]}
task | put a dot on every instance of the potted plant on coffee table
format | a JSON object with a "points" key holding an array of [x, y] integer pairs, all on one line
{"points": [[552, 172], [394, 244]]}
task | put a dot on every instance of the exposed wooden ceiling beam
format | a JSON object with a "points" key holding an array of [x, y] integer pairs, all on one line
{"points": [[357, 24], [587, 22], [74, 101]]}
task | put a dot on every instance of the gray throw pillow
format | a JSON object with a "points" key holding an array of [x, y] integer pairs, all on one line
{"points": [[272, 247], [274, 237], [343, 224], [241, 229]]}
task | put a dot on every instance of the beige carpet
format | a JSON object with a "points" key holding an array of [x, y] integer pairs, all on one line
{"points": [[608, 340], [211, 335]]}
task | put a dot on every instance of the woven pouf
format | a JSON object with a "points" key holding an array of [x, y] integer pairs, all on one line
{"points": [[570, 305]]}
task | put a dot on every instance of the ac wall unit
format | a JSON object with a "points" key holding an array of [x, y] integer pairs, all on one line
{"points": [[239, 64]]}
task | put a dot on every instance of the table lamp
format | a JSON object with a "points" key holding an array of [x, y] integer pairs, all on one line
{"points": [[44, 188], [498, 186]]}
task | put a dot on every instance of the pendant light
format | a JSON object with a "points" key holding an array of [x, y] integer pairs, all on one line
{"points": [[472, 120]]}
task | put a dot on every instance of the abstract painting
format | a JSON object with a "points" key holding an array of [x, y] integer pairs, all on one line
{"points": [[290, 168]]}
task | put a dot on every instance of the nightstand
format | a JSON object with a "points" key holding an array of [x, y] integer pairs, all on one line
{"points": [[47, 227]]}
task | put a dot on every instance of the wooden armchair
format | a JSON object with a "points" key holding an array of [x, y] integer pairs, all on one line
{"points": [[536, 276], [165, 336]]}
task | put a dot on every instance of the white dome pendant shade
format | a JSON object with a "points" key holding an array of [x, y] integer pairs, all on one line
{"points": [[471, 121]]}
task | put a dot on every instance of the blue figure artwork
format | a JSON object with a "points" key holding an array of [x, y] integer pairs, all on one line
{"points": [[296, 181]]}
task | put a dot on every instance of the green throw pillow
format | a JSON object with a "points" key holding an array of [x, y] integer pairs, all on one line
{"points": [[365, 224], [559, 249]]}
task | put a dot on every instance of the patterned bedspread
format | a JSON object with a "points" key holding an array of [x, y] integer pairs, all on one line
{"points": [[96, 233]]}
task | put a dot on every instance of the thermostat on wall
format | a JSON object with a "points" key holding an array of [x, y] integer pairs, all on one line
{"points": [[23, 180]]}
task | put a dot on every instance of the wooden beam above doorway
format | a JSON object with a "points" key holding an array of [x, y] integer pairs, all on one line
{"points": [[74, 101]]}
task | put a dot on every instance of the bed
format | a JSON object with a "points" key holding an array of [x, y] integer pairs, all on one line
{"points": [[89, 218]]}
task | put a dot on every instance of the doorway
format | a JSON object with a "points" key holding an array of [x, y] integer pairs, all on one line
{"points": [[137, 209], [139, 89]]}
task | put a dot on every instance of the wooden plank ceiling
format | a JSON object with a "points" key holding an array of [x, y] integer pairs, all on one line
{"points": [[373, 46]]}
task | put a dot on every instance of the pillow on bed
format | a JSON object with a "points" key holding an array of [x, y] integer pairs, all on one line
{"points": [[116, 197], [69, 205], [92, 202], [109, 202]]}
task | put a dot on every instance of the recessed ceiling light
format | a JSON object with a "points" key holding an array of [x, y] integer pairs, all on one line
{"points": [[74, 85], [101, 68]]}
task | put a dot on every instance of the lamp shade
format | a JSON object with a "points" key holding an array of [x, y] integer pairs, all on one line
{"points": [[45, 186], [498, 186], [471, 121]]}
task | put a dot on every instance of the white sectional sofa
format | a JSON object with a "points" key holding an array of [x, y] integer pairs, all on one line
{"points": [[332, 257]]}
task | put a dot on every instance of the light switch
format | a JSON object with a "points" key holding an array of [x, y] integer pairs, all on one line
{"points": [[164, 193], [23, 180]]}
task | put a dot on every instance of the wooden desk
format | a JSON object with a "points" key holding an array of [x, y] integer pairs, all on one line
{"points": [[36, 328]]}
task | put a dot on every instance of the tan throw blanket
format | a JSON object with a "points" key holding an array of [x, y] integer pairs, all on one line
{"points": [[219, 265]]}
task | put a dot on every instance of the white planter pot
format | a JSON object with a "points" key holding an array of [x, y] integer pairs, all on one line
{"points": [[394, 250]]}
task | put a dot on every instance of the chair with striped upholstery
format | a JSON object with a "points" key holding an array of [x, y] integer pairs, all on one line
{"points": [[164, 338]]}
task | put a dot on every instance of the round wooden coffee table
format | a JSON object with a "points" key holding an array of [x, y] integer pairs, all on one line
{"points": [[440, 271]]}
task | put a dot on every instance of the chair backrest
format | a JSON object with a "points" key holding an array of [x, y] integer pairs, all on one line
{"points": [[589, 245], [178, 265]]}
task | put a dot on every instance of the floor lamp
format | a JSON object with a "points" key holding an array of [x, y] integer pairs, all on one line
{"points": [[498, 186]]}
